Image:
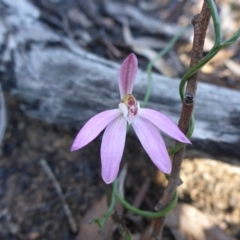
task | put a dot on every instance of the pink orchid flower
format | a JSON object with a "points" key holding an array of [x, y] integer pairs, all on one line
{"points": [[145, 122]]}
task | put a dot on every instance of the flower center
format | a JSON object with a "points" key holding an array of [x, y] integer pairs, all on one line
{"points": [[130, 107]]}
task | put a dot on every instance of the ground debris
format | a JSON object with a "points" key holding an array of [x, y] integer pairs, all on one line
{"points": [[29, 203]]}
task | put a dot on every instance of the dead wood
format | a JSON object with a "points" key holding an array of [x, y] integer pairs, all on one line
{"points": [[60, 83], [187, 222], [125, 12]]}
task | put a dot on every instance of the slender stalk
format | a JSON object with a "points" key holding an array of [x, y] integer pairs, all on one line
{"points": [[216, 22], [186, 122], [141, 212], [200, 23], [165, 50]]}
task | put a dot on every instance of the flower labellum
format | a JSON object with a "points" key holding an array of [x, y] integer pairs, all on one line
{"points": [[145, 122]]}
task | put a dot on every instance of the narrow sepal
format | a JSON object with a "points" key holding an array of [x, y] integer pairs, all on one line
{"points": [[165, 124], [112, 147], [153, 144], [93, 128], [127, 74]]}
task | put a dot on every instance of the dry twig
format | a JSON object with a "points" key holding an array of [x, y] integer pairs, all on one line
{"points": [[123, 12], [139, 199], [200, 23], [71, 221]]}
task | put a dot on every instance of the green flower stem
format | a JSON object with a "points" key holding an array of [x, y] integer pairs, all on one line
{"points": [[195, 68], [110, 209], [216, 48], [218, 45], [176, 148], [141, 212], [189, 134], [106, 215], [216, 22], [151, 63], [232, 40]]}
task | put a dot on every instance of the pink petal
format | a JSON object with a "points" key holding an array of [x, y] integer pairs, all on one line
{"points": [[153, 144], [93, 127], [127, 75], [112, 148], [164, 124]]}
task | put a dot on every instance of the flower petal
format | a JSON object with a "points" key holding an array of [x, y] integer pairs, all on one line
{"points": [[112, 148], [164, 123], [153, 144], [93, 127], [127, 75]]}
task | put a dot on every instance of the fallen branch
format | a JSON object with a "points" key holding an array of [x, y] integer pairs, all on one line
{"points": [[67, 210], [200, 24], [125, 12], [58, 82]]}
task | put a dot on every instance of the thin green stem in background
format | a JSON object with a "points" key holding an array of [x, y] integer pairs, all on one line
{"points": [[216, 22], [151, 63], [109, 212], [141, 212], [218, 45], [216, 48]]}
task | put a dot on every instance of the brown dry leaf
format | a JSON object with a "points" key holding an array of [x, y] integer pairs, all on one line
{"points": [[33, 235], [223, 55], [233, 66], [148, 42], [79, 17], [228, 22], [136, 236], [90, 231], [189, 221], [122, 11], [146, 233]]}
